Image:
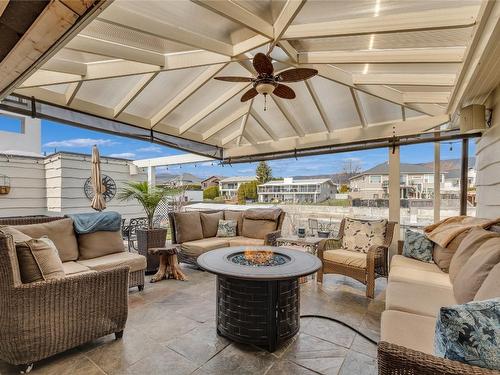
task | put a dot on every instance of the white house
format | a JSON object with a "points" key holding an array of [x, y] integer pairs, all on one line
{"points": [[289, 190], [229, 186]]}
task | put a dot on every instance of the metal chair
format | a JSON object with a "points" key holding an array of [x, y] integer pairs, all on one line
{"points": [[313, 226], [130, 231]]}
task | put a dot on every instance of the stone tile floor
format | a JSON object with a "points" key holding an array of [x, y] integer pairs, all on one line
{"points": [[171, 330]]}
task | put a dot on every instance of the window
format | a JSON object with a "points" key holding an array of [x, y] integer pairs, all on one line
{"points": [[375, 179], [11, 124]]}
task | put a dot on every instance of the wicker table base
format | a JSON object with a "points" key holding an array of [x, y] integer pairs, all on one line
{"points": [[169, 265]]}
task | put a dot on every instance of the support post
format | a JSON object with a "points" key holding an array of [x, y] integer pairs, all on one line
{"points": [[437, 182], [151, 176], [394, 193], [464, 176]]}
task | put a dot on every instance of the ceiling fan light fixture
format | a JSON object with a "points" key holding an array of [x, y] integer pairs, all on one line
{"points": [[265, 88]]}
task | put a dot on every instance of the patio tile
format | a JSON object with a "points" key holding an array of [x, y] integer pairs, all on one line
{"points": [[359, 364], [162, 362], [330, 331], [288, 368], [362, 345], [67, 365], [169, 327]]}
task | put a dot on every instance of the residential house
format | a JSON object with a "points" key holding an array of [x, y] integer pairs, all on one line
{"points": [[229, 186], [290, 190], [182, 179], [211, 181], [416, 181]]}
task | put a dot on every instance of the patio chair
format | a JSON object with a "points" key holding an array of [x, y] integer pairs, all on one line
{"points": [[364, 264], [313, 226], [130, 231]]}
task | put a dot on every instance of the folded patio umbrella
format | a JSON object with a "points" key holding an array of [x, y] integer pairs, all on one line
{"points": [[98, 202]]}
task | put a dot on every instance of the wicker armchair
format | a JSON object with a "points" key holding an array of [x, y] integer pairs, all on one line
{"points": [[41, 319], [376, 260]]}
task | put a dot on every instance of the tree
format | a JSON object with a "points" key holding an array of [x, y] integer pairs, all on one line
{"points": [[344, 188], [211, 192], [241, 194], [263, 172], [248, 190]]}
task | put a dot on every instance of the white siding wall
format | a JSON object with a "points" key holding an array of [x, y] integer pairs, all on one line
{"points": [[28, 141], [54, 186], [488, 164]]}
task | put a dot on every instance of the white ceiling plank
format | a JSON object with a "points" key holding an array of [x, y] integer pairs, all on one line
{"points": [[403, 113], [186, 92], [3, 5], [172, 160], [289, 117], [244, 122], [75, 88], [375, 56], [430, 109], [343, 136], [221, 125], [221, 100], [237, 13], [359, 107], [249, 44], [154, 26], [289, 50], [231, 137], [319, 106], [404, 79], [102, 47], [412, 21], [285, 18], [248, 137], [134, 93], [263, 124], [65, 66], [426, 97]]}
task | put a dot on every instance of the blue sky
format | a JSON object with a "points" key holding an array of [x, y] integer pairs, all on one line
{"points": [[58, 137]]}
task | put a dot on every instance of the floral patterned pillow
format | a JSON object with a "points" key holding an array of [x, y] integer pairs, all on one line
{"points": [[418, 246], [226, 228], [360, 235], [470, 333]]}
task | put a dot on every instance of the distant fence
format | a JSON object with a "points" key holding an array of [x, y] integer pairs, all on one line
{"points": [[404, 203]]}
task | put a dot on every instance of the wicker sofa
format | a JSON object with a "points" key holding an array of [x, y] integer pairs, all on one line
{"points": [[415, 293], [196, 231], [43, 318]]}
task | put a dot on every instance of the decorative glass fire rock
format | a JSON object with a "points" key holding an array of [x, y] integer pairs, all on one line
{"points": [[259, 258]]}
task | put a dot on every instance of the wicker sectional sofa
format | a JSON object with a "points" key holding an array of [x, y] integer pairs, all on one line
{"points": [[415, 293], [196, 231]]}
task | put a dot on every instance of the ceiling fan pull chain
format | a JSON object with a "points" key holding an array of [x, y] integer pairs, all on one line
{"points": [[265, 102]]}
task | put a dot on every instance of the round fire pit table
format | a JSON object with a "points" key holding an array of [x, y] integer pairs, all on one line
{"points": [[258, 292]]}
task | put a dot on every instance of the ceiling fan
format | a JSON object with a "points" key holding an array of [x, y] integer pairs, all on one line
{"points": [[267, 83]]}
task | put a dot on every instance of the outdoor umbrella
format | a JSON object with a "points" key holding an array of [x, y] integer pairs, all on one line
{"points": [[98, 202]]}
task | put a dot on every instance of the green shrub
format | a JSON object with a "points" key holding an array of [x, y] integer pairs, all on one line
{"points": [[211, 192], [192, 187]]}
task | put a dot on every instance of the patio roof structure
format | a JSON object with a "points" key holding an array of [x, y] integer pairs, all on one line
{"points": [[389, 71]]}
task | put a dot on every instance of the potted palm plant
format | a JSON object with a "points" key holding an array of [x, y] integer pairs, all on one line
{"points": [[149, 197]]}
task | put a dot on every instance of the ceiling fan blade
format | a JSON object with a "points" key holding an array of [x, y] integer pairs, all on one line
{"points": [[234, 79], [263, 64], [296, 75], [284, 92], [249, 95]]}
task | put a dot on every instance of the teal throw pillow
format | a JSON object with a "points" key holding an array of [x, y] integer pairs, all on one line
{"points": [[470, 333], [417, 246]]}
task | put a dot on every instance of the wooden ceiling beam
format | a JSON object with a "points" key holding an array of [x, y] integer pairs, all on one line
{"points": [[426, 97], [263, 124], [134, 92], [154, 26], [228, 120], [186, 92], [73, 91], [221, 100], [65, 66], [413, 21], [359, 107], [285, 18], [404, 79], [319, 106], [244, 122], [288, 116], [376, 56]]}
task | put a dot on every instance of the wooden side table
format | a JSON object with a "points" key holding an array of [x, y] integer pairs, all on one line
{"points": [[169, 265]]}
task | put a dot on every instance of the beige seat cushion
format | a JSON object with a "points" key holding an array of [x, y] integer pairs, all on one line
{"points": [[271, 214], [188, 226], [257, 228], [469, 245], [136, 262], [93, 245], [490, 288], [73, 268], [417, 298], [198, 247], [347, 257], [476, 269], [245, 241], [410, 330], [360, 235], [402, 261], [438, 279], [236, 216], [60, 232], [210, 222], [442, 255]]}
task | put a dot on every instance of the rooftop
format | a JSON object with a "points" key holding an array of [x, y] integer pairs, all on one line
{"points": [[239, 179], [298, 182]]}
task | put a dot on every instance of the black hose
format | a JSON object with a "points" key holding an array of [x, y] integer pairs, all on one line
{"points": [[342, 323]]}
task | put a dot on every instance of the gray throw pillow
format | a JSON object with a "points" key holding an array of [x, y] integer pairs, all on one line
{"points": [[470, 333], [226, 228], [418, 246]]}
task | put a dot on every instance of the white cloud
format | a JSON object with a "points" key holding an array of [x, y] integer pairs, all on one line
{"points": [[149, 149], [124, 155], [80, 143]]}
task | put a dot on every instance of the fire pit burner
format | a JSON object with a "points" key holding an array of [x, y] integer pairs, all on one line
{"points": [[258, 292], [259, 258]]}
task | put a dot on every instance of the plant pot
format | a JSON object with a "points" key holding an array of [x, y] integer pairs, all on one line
{"points": [[323, 234], [147, 239], [301, 232]]}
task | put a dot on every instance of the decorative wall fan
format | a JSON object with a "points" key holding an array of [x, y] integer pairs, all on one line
{"points": [[267, 83]]}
